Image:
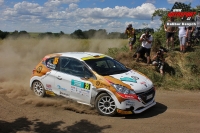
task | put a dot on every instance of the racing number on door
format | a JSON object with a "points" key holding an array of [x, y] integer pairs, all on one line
{"points": [[87, 86], [55, 61]]}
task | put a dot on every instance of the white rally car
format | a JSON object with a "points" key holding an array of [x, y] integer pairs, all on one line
{"points": [[93, 79]]}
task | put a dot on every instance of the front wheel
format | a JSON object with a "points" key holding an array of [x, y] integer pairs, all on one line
{"points": [[105, 105], [38, 89]]}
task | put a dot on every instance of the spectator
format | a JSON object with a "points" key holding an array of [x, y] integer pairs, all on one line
{"points": [[145, 48], [197, 20], [182, 34], [159, 60], [131, 36], [190, 30], [170, 34]]}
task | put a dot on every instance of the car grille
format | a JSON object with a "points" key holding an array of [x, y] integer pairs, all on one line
{"points": [[144, 96]]}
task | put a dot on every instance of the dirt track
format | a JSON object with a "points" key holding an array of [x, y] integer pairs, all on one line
{"points": [[21, 111], [176, 112]]}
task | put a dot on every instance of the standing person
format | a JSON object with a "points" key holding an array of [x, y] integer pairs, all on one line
{"points": [[197, 20], [190, 30], [182, 34], [131, 36], [146, 40], [170, 34]]}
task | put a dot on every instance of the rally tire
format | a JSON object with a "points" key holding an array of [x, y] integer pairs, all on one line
{"points": [[105, 105], [38, 88]]}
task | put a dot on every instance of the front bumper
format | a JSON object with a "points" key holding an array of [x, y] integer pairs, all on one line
{"points": [[141, 109], [145, 101]]}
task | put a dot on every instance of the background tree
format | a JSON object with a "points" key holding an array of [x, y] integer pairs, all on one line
{"points": [[23, 34], [159, 35], [62, 33], [101, 33], [3, 35], [90, 33], [78, 34]]}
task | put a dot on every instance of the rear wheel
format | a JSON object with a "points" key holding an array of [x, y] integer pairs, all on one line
{"points": [[105, 105], [38, 89]]}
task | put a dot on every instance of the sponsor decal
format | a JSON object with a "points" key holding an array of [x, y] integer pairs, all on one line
{"points": [[85, 92], [64, 94], [75, 89], [50, 93], [130, 103], [127, 73], [39, 69], [177, 13], [93, 57], [175, 24], [97, 83], [144, 83], [81, 88], [131, 84], [104, 85], [134, 77], [80, 91], [50, 65], [127, 79], [124, 112], [60, 88], [48, 87], [80, 84]]}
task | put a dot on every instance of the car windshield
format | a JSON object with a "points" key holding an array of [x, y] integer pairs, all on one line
{"points": [[106, 66]]}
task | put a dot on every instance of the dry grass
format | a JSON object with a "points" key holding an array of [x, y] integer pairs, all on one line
{"points": [[181, 70]]}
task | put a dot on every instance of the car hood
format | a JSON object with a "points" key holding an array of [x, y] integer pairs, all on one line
{"points": [[137, 81]]}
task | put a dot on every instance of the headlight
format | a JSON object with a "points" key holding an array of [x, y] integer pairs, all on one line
{"points": [[122, 89]]}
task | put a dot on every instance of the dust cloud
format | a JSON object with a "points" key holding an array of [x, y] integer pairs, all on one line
{"points": [[19, 56]]}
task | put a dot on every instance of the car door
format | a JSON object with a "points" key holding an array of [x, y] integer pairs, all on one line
{"points": [[62, 78], [48, 79], [72, 78]]}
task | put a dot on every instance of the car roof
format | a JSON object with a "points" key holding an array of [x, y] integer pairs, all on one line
{"points": [[80, 55]]}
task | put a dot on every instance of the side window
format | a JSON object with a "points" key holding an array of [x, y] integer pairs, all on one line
{"points": [[64, 65], [52, 63], [74, 67], [77, 68], [88, 73], [71, 66]]}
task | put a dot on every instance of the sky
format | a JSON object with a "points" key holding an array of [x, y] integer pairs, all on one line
{"points": [[70, 15]]}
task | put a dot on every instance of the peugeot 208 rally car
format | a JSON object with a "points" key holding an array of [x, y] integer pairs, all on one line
{"points": [[93, 79]]}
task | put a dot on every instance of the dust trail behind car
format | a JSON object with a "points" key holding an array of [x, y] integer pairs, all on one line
{"points": [[19, 56]]}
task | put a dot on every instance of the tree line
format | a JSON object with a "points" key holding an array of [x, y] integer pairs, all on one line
{"points": [[77, 34]]}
